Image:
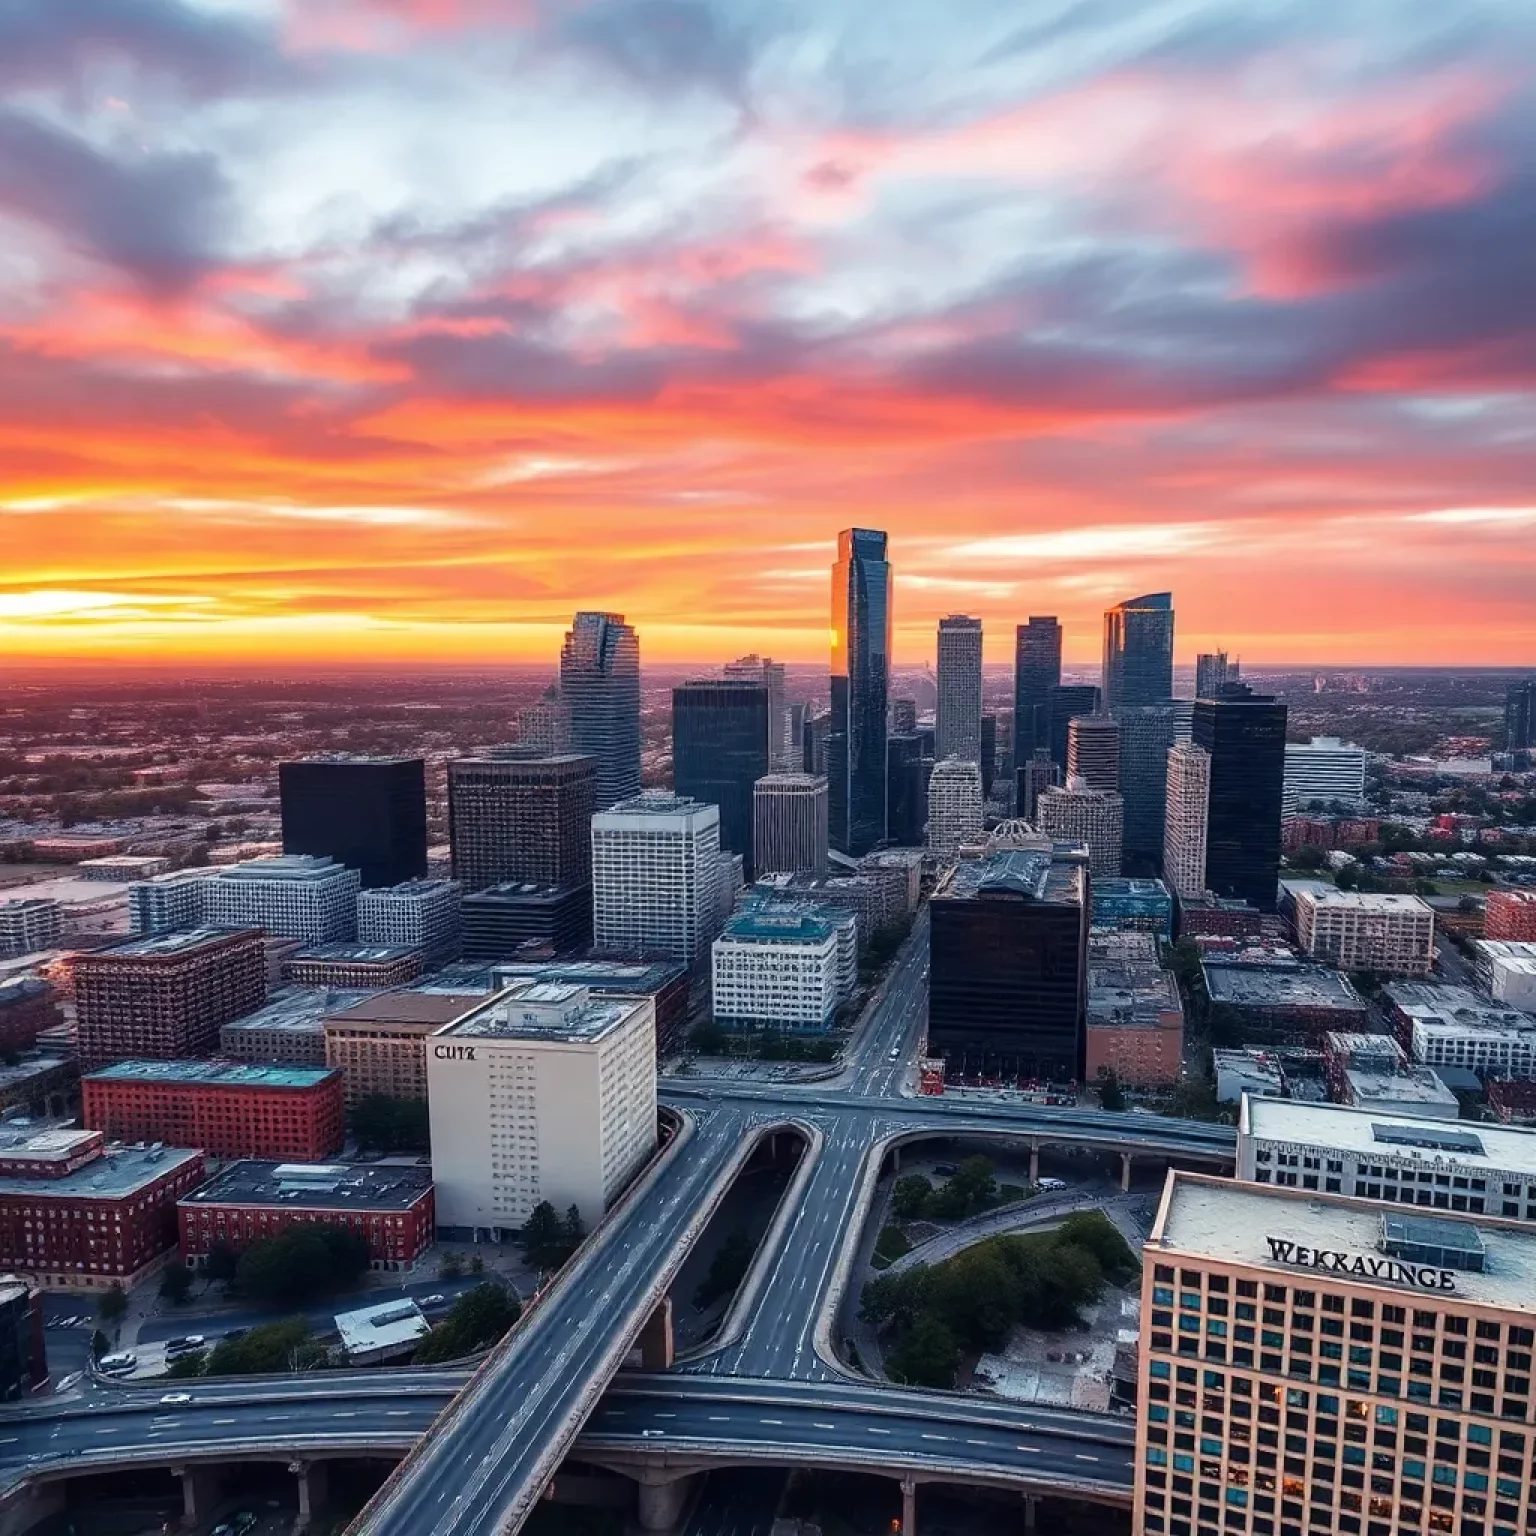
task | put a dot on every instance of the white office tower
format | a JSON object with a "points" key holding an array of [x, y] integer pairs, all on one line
{"points": [[1366, 931], [1078, 813], [783, 748], [776, 968], [789, 824], [1093, 751], [955, 807], [543, 1093], [421, 914], [1324, 769], [169, 903], [957, 727], [291, 895], [1184, 826], [656, 869]]}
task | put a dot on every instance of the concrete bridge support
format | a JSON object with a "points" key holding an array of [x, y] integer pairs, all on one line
{"points": [[314, 1484], [1034, 1163], [656, 1352], [25, 1509], [199, 1493], [1125, 1171], [908, 1507], [662, 1504], [1031, 1513]]}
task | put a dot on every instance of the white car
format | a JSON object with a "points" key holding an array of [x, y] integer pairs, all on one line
{"points": [[433, 1300], [176, 1397]]}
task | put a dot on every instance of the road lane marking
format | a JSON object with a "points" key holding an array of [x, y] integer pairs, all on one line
{"points": [[397, 1413], [815, 1425], [666, 1415], [278, 1418], [1081, 1457], [934, 1437], [719, 1418], [875, 1431], [223, 1421], [778, 1422], [1034, 1450], [978, 1442]]}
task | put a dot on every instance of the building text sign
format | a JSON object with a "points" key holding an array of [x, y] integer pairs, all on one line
{"points": [[1365, 1266]]}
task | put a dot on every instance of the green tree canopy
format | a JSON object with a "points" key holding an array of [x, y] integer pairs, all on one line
{"points": [[910, 1196], [476, 1320]]}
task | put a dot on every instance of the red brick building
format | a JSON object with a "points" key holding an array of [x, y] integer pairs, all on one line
{"points": [[227, 1108], [1511, 915], [165, 997], [75, 1212], [392, 1206], [27, 1006]]}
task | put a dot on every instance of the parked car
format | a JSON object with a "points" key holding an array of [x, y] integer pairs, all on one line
{"points": [[118, 1365], [434, 1300]]}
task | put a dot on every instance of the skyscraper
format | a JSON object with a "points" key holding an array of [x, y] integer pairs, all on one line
{"points": [[907, 771], [988, 754], [1212, 673], [1146, 733], [369, 813], [1038, 773], [783, 749], [789, 824], [1138, 652], [1036, 671], [1188, 805], [1093, 751], [1077, 813], [861, 662], [1520, 716], [545, 725], [954, 807], [515, 814], [957, 725], [903, 716], [1246, 740], [1064, 705], [720, 750], [600, 683]]}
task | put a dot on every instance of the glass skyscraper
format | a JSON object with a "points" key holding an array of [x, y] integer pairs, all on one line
{"points": [[1062, 706], [1146, 733], [1036, 670], [1246, 742], [719, 751], [861, 669], [600, 684], [1138, 652]]}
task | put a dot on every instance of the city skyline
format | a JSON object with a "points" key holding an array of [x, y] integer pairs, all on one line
{"points": [[1139, 299]]}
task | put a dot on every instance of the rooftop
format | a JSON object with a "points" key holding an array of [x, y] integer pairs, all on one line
{"points": [[1362, 1043], [1058, 877], [385, 1325], [1257, 1226], [317, 1186], [552, 1011], [1330, 898], [118, 1172], [1287, 986], [299, 1008], [1410, 1085], [165, 946], [407, 1006], [780, 922], [656, 802], [519, 891], [352, 757], [407, 890], [359, 954], [1129, 888], [603, 975], [1436, 1005], [289, 868], [215, 1073]]}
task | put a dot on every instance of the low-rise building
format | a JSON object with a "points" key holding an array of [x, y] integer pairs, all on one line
{"points": [[1274, 1000], [226, 1108], [1362, 1050], [28, 924], [123, 866], [1513, 1100], [543, 1092], [1246, 1072], [75, 1212], [1450, 1026], [775, 968], [290, 1028], [420, 914], [498, 921], [1133, 904], [292, 895], [381, 1043], [389, 1204], [1135, 1019], [665, 982], [28, 1005], [1506, 971], [1366, 931], [388, 1330], [167, 902], [1208, 915], [1510, 914], [361, 967], [39, 1083], [1414, 1091]]}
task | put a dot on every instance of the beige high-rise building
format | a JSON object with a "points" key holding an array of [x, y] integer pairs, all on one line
{"points": [[1367, 931], [957, 723], [955, 808], [1184, 827], [1077, 813], [789, 824], [381, 1043]]}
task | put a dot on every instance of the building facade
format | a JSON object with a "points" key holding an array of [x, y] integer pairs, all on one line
{"points": [[1246, 742], [420, 914], [544, 727], [1064, 705], [1324, 770], [1520, 716], [957, 723], [1212, 674], [496, 923], [1036, 671], [860, 681], [1134, 1017], [291, 896], [1143, 906], [369, 813], [167, 903], [789, 824], [28, 924], [542, 1093], [1146, 735], [1138, 652], [517, 815], [600, 684], [1511, 915], [956, 811], [775, 968], [28, 1005], [1077, 813], [1186, 819], [1093, 751], [720, 733], [1366, 931], [783, 746], [380, 1043]]}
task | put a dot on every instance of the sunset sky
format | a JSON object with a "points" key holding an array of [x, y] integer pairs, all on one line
{"points": [[399, 329]]}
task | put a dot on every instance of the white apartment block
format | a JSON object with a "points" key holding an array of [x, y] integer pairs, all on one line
{"points": [[541, 1093], [776, 968], [422, 914], [1445, 1165], [1076, 813], [656, 871], [955, 808], [1324, 769], [789, 824], [1366, 931], [957, 720], [1506, 971], [1452, 1026], [1186, 824], [29, 923], [291, 895], [169, 903]]}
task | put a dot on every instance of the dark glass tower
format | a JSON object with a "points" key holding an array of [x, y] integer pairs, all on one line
{"points": [[1138, 652], [1520, 717], [600, 683], [369, 813], [1036, 671], [1063, 705], [907, 789], [719, 751], [861, 669], [1146, 733], [1246, 740]]}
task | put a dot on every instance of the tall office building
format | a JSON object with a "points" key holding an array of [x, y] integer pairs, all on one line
{"points": [[1324, 769], [783, 747], [545, 725], [1520, 716], [515, 814], [1212, 674], [1008, 966], [369, 813], [813, 744], [789, 824], [720, 750], [1146, 733], [656, 873], [292, 896], [1246, 740], [861, 664], [907, 771], [1062, 706], [903, 716], [1077, 813], [1138, 652], [1038, 773], [600, 683], [420, 914], [1093, 751], [955, 809], [1187, 807], [988, 754], [1036, 672], [957, 724]]}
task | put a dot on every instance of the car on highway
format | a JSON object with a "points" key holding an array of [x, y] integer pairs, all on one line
{"points": [[176, 1397], [895, 1053], [1050, 1184]]}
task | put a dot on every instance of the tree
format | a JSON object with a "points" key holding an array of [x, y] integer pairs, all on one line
{"points": [[892, 1243], [910, 1196], [543, 1237], [302, 1262], [476, 1320], [1348, 878], [183, 1367], [927, 1357], [113, 1306], [100, 1344], [709, 1040], [176, 1282], [477, 1265], [450, 1266], [978, 1183], [1307, 857], [222, 1261], [1110, 1094], [287, 1345], [572, 1228], [1094, 1231]]}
